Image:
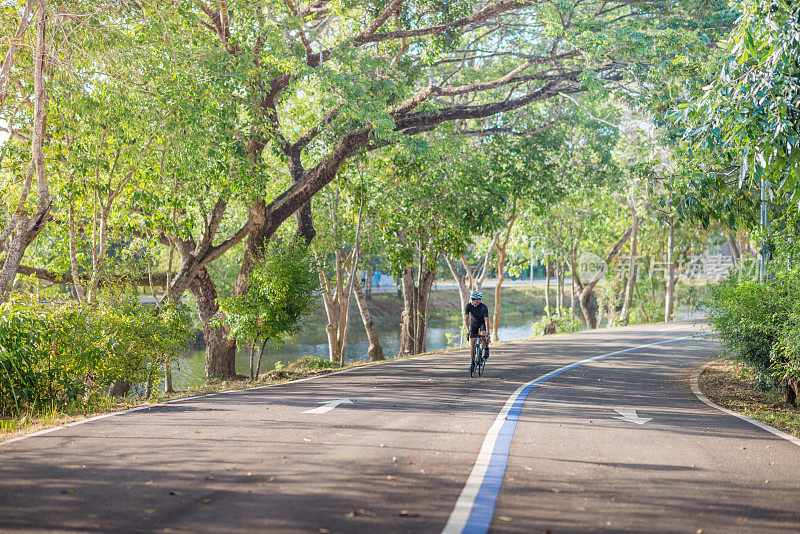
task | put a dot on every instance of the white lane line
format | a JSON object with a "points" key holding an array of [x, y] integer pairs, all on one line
{"points": [[474, 508], [629, 416], [328, 406], [699, 394]]}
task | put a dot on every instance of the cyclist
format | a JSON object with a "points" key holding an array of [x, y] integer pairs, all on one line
{"points": [[476, 321]]}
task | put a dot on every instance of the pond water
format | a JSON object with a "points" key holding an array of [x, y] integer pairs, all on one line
{"points": [[190, 371], [311, 341]]}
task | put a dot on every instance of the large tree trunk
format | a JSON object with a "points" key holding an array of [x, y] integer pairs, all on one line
{"points": [[220, 349], [587, 300], [669, 297], [375, 350], [27, 228], [632, 274], [414, 324]]}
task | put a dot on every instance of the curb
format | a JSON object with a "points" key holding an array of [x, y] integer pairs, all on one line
{"points": [[699, 394]]}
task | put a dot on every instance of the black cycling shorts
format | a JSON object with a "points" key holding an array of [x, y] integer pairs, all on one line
{"points": [[475, 328]]}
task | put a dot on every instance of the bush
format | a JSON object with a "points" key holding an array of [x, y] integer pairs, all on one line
{"points": [[557, 325], [63, 355], [758, 323]]}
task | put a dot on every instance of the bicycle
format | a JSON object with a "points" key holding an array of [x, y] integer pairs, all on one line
{"points": [[479, 352]]}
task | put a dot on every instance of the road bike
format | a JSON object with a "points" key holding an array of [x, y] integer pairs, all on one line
{"points": [[480, 352]]}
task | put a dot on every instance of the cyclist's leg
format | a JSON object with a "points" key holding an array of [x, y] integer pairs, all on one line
{"points": [[485, 338], [473, 339]]}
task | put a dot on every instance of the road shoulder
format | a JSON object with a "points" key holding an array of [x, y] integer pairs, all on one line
{"points": [[728, 384]]}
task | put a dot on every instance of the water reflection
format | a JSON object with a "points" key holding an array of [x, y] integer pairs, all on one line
{"points": [[442, 332]]}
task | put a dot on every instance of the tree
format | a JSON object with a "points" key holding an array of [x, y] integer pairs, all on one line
{"points": [[22, 227], [751, 104], [278, 296]]}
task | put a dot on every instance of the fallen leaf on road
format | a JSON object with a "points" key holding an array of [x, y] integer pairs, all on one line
{"points": [[742, 519], [71, 490], [556, 490], [209, 477], [323, 530], [699, 531], [360, 512], [206, 500], [150, 511], [91, 516], [230, 468], [196, 431], [406, 513], [410, 462], [766, 482], [389, 477], [503, 518]]}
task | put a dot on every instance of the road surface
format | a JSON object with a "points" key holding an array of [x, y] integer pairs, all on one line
{"points": [[617, 444]]}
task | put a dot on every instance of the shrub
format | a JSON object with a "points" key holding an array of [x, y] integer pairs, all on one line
{"points": [[758, 322], [557, 325], [62, 355]]}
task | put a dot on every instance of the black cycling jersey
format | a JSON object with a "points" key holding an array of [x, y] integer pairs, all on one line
{"points": [[478, 313]]}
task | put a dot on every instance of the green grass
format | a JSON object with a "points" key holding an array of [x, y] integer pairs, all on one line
{"points": [[731, 385]]}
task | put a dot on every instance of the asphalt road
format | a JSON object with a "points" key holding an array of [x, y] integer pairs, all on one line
{"points": [[398, 458]]}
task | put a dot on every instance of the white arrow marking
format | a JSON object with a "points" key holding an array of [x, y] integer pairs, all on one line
{"points": [[328, 406], [630, 416]]}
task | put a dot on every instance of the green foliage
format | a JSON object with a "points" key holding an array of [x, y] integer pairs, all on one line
{"points": [[557, 325], [62, 355], [312, 363], [750, 108], [759, 322], [279, 295]]}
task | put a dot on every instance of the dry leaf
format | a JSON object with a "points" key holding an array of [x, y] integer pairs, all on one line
{"points": [[150, 511], [406, 513]]}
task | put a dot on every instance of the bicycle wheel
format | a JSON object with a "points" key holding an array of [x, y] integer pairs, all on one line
{"points": [[472, 364], [481, 360]]}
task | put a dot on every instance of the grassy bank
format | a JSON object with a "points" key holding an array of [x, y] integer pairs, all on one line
{"points": [[733, 386], [305, 368]]}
